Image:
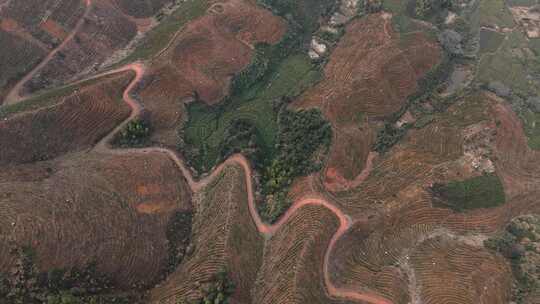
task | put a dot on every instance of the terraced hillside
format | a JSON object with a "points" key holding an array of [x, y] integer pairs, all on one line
{"points": [[291, 272], [369, 76], [412, 178], [451, 272], [82, 208], [224, 238], [199, 62], [74, 118]]}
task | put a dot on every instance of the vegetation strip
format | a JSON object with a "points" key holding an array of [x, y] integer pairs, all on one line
{"points": [[104, 147]]}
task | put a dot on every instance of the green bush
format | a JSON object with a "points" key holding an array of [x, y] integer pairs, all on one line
{"points": [[178, 236], [255, 70], [427, 8], [135, 134], [518, 243], [241, 137], [305, 13], [218, 291], [301, 135], [484, 191], [388, 136], [25, 284]]}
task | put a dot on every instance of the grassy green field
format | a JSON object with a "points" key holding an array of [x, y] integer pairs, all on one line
{"points": [[495, 12], [490, 41], [158, 37], [522, 2], [397, 7], [484, 191], [531, 124], [206, 126], [511, 59], [508, 65]]}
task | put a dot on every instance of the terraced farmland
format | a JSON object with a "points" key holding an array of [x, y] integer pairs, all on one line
{"points": [[93, 207], [449, 272], [224, 39], [292, 272], [103, 32], [370, 74], [429, 194], [224, 238], [27, 35], [72, 120]]}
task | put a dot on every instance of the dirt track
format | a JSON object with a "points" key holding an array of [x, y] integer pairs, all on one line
{"points": [[14, 95], [103, 146], [267, 230]]}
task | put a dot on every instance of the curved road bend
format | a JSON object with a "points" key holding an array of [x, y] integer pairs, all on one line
{"points": [[103, 146], [266, 230]]}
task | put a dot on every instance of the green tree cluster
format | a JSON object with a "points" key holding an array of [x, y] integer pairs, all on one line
{"points": [[483, 191], [135, 134], [27, 285], [301, 135], [218, 291], [424, 8], [241, 136], [519, 243], [255, 70], [178, 237], [388, 136]]}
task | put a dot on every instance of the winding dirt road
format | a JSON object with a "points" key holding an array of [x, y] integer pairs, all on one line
{"points": [[266, 230], [103, 146], [14, 95]]}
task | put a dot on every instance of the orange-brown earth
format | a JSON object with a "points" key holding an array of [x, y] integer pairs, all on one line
{"points": [[85, 207], [224, 238], [380, 255], [73, 122], [395, 188], [519, 166], [201, 61], [54, 29], [369, 76]]}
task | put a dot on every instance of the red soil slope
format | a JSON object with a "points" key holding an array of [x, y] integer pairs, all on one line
{"points": [[74, 122], [86, 207], [368, 77], [201, 60]]}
